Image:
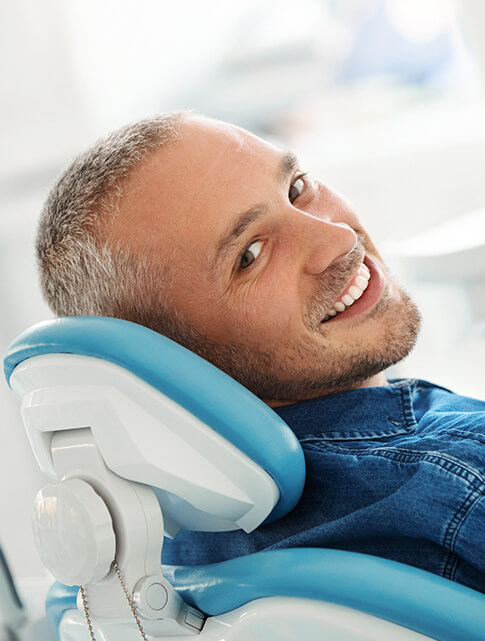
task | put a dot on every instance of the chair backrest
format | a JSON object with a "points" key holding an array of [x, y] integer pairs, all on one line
{"points": [[157, 412], [160, 415]]}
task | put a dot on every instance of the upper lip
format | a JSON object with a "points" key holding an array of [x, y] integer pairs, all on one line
{"points": [[349, 281], [326, 307], [336, 278]]}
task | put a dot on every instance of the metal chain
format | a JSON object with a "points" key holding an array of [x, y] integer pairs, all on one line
{"points": [[130, 602], [86, 613], [128, 598]]}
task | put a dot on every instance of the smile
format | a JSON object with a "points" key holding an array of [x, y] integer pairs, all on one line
{"points": [[352, 293]]}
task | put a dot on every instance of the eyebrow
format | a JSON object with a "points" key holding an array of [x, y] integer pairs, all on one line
{"points": [[287, 164]]}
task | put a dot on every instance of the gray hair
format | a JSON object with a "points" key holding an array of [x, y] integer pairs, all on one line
{"points": [[80, 274]]}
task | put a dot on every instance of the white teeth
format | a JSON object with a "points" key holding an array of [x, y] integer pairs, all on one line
{"points": [[332, 312], [361, 282], [354, 292], [347, 299]]}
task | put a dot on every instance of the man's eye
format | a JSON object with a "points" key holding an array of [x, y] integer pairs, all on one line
{"points": [[250, 254], [296, 188]]}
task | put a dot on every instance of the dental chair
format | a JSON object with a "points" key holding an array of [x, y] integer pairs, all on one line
{"points": [[141, 438]]}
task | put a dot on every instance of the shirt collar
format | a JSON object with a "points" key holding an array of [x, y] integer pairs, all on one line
{"points": [[361, 413]]}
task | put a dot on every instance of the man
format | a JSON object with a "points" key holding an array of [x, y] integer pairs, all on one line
{"points": [[219, 240]]}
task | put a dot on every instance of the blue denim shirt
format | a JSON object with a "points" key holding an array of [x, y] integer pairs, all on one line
{"points": [[396, 471]]}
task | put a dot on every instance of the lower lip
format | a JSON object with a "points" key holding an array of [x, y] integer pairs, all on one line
{"points": [[368, 299]]}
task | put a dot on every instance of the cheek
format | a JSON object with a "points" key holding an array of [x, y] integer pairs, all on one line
{"points": [[272, 306], [197, 302], [263, 308]]}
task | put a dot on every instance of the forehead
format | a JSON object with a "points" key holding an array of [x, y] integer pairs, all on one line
{"points": [[217, 155], [204, 138], [190, 190]]}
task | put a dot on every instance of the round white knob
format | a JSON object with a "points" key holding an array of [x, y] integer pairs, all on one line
{"points": [[157, 596], [73, 532], [151, 596]]}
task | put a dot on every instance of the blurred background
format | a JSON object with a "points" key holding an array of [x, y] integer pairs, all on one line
{"points": [[382, 99]]}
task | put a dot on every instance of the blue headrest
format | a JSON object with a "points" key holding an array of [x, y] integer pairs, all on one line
{"points": [[204, 390]]}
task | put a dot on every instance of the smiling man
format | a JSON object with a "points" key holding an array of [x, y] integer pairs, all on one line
{"points": [[208, 234], [266, 262]]}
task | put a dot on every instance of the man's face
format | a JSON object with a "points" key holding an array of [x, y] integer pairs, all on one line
{"points": [[268, 265]]}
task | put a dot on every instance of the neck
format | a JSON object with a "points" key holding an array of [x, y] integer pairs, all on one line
{"points": [[378, 380]]}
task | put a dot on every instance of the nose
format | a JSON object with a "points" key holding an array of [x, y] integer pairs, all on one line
{"points": [[324, 242]]}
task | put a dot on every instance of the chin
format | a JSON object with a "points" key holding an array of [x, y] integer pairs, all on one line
{"points": [[304, 370], [333, 369]]}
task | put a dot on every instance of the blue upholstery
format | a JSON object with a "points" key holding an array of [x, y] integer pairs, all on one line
{"points": [[414, 599], [215, 398], [392, 591], [60, 599]]}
